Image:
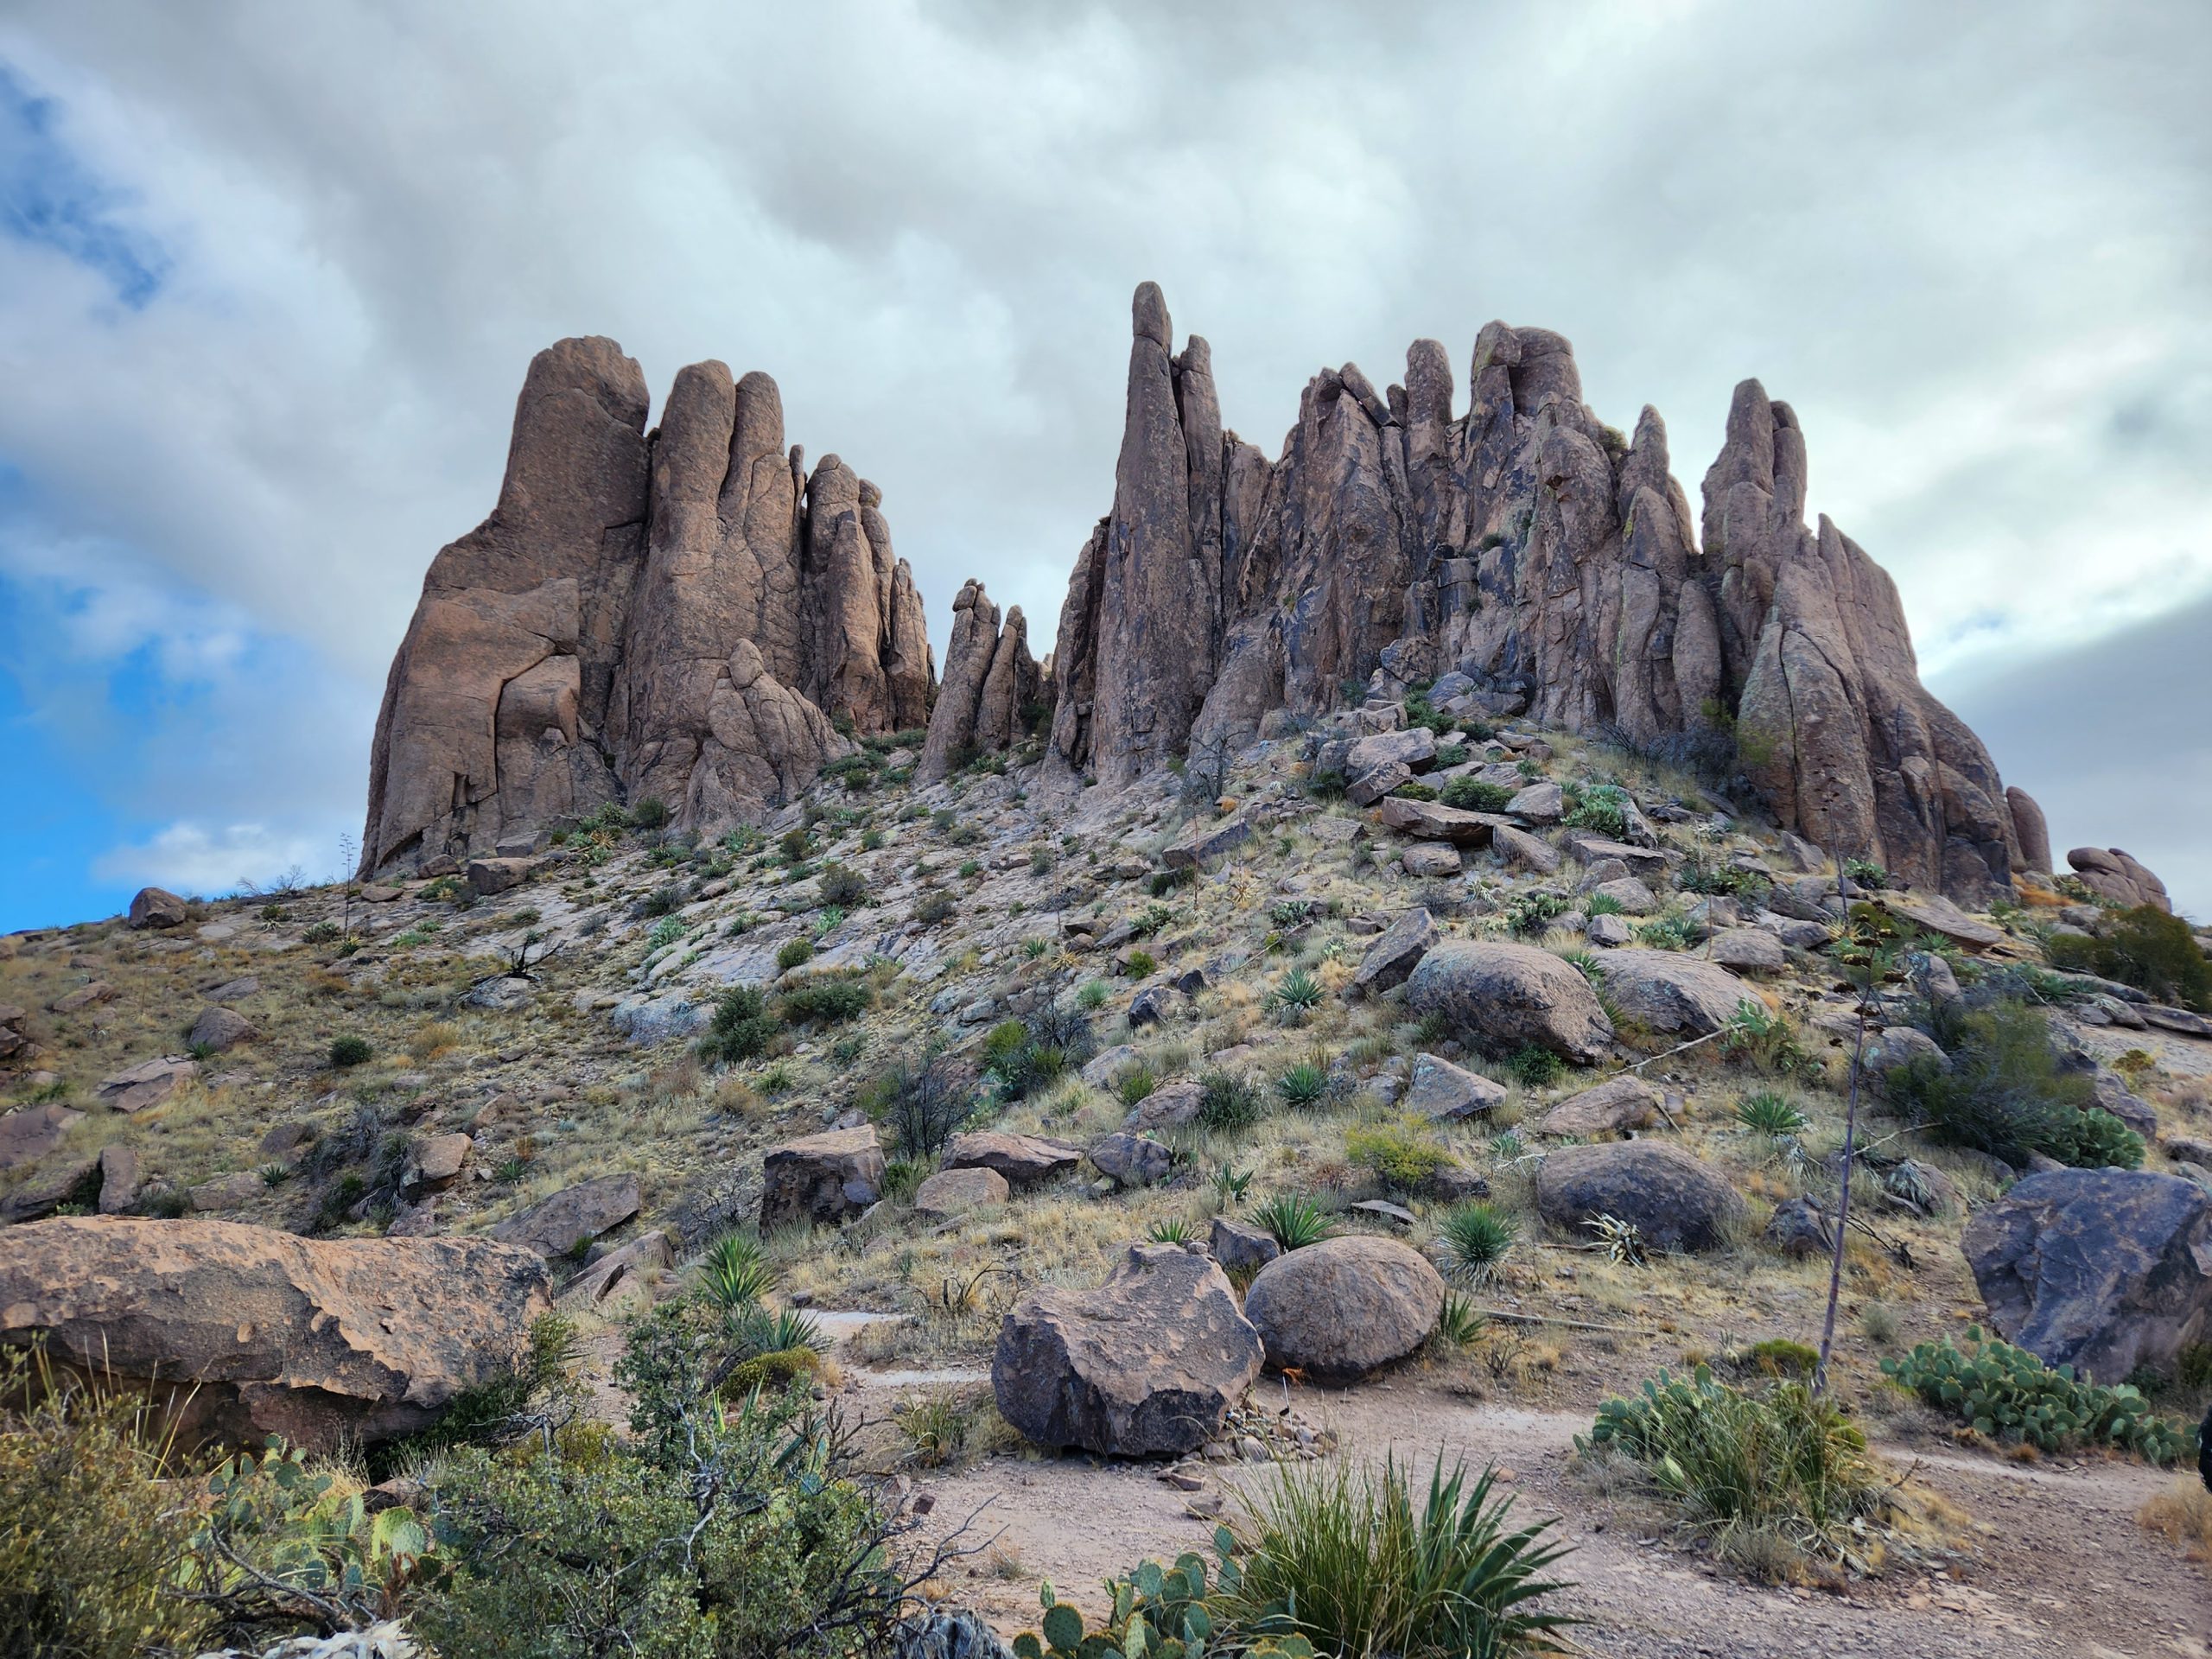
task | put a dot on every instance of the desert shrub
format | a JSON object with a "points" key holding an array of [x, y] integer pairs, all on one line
{"points": [[2005, 1392], [1740, 1463], [2004, 1091], [1602, 809], [1306, 1083], [1533, 1067], [914, 1099], [733, 1276], [1403, 1152], [1414, 793], [740, 1028], [1348, 1556], [793, 953], [88, 1541], [1175, 1229], [1295, 996], [933, 908], [726, 1531], [349, 1050], [1865, 873], [1478, 1236], [840, 886], [1294, 1222], [1602, 904], [321, 933], [1528, 915], [1667, 933], [1767, 1041], [1092, 995], [1164, 882], [830, 998], [1472, 795], [1780, 1356], [1135, 1084], [1327, 783], [1141, 962], [1769, 1114], [1459, 1323], [649, 814], [1451, 754], [2146, 948], [1227, 1100]]}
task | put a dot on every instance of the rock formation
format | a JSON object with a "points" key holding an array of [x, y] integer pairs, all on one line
{"points": [[990, 683], [1544, 556], [2111, 874], [683, 614]]}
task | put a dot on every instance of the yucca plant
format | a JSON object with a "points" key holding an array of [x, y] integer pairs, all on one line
{"points": [[1304, 1084], [1460, 1324], [1478, 1236], [781, 1332], [1347, 1556], [1295, 1221], [1174, 1231], [733, 1276], [1295, 996], [1769, 1114]]}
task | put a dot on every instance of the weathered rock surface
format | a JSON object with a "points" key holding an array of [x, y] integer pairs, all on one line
{"points": [[1240, 1247], [219, 1029], [2102, 1269], [1025, 1161], [1675, 1201], [1524, 551], [1392, 958], [148, 1083], [1132, 1160], [573, 1218], [1670, 992], [1443, 1092], [2111, 874], [28, 1133], [677, 616], [1344, 1307], [990, 682], [1504, 996], [158, 907], [1146, 1365], [819, 1180], [1748, 950], [2031, 830], [1623, 1103], [262, 1332], [955, 1192]]}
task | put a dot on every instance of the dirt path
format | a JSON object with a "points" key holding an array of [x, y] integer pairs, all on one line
{"points": [[2059, 1566]]}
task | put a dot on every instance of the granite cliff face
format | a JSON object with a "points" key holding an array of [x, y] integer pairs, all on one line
{"points": [[1544, 556], [685, 615]]}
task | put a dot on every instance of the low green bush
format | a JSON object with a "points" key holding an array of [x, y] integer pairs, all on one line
{"points": [[348, 1052], [1473, 795], [2147, 948], [1227, 1100], [1601, 808], [840, 887], [2003, 1092], [1294, 1222], [828, 999], [1403, 1152], [740, 1028], [1478, 1236], [792, 953], [1533, 1067], [2005, 1392]]}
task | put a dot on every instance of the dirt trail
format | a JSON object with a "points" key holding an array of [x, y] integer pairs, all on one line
{"points": [[2059, 1566]]}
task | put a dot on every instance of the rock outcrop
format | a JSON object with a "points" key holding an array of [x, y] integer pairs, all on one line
{"points": [[1346, 1306], [262, 1332], [2111, 874], [1549, 558], [683, 615], [991, 684]]}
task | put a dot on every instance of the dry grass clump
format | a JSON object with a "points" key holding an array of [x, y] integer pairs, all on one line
{"points": [[2182, 1514]]}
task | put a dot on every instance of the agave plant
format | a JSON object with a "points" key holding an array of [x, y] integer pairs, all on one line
{"points": [[1769, 1114], [733, 1276], [1295, 996], [1478, 1236], [1306, 1083], [1295, 1221]]}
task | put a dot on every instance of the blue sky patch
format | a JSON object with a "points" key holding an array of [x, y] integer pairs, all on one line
{"points": [[48, 197]]}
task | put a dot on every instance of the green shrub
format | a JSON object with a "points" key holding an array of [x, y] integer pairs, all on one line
{"points": [[649, 814], [1769, 1114], [841, 887], [1135, 1084], [347, 1051], [1227, 1100], [915, 1099], [1368, 1569], [933, 907], [2005, 1093], [1602, 904], [1741, 1463], [1450, 754], [1780, 1356], [321, 933], [1306, 1083], [1294, 1222], [792, 953], [1295, 995], [1529, 915], [1667, 933], [1092, 995], [89, 1544], [2007, 1393], [1141, 962], [1164, 882], [1473, 795], [1174, 1231], [1601, 808], [1865, 873], [1533, 1067], [1404, 1152], [2146, 948], [1478, 1236], [1414, 793], [830, 998], [740, 1028], [1459, 1323], [733, 1276]]}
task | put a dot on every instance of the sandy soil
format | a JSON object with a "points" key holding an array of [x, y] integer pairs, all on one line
{"points": [[2056, 1564]]}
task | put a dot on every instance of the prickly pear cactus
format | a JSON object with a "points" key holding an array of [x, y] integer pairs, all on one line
{"points": [[2007, 1394], [1155, 1613]]}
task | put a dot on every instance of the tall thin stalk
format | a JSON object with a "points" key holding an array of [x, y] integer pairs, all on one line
{"points": [[1872, 969]]}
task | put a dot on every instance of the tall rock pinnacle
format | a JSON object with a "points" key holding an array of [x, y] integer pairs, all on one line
{"points": [[683, 615]]}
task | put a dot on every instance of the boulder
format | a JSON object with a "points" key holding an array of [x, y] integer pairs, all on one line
{"points": [[148, 1083], [821, 1180], [1155, 1005], [1170, 1106], [1240, 1247], [1434, 821], [1103, 1069], [1669, 992], [2111, 874], [1443, 1092], [1413, 748], [83, 997], [1895, 1046], [158, 907], [1525, 851], [1939, 915], [572, 1217], [1748, 950], [636, 1264], [488, 877], [1505, 996], [1631, 894], [1339, 1309], [219, 1029], [1203, 843], [2101, 1270], [1544, 803], [28, 1133], [261, 1332], [1675, 1201], [1146, 1365], [955, 1192], [1025, 1161], [235, 990], [1800, 1227], [1427, 861], [1609, 932], [1394, 956], [1623, 1103], [1376, 782], [1132, 1160], [120, 1181], [437, 1162], [55, 1183]]}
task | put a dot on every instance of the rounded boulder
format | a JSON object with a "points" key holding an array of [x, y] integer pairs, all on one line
{"points": [[1510, 996], [1676, 1202], [1337, 1310]]}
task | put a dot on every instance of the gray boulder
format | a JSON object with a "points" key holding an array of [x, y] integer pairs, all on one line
{"points": [[1505, 996], [1442, 1091], [219, 1029], [1346, 1306], [1026, 1161], [821, 1180], [1132, 1160], [1146, 1365], [1675, 1201], [1392, 958], [2101, 1270], [572, 1219], [1669, 992], [1622, 1103], [1240, 1247]]}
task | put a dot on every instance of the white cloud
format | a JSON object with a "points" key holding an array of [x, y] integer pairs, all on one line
{"points": [[204, 859]]}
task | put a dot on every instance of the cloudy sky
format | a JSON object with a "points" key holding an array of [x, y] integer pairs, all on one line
{"points": [[269, 274]]}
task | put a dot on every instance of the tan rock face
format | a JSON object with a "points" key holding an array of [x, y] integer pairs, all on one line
{"points": [[1531, 548], [679, 615], [263, 1332]]}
